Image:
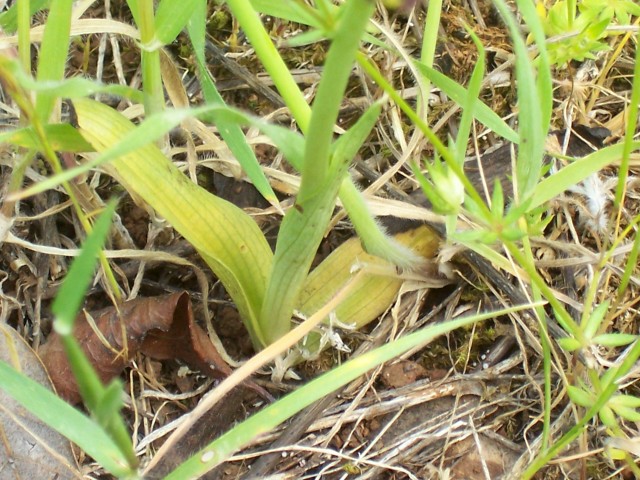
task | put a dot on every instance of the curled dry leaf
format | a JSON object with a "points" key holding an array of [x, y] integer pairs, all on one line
{"points": [[161, 327]]}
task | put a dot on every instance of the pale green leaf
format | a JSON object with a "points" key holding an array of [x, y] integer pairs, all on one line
{"points": [[614, 339], [579, 396]]}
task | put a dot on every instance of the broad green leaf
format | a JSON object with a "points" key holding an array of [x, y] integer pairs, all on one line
{"points": [[378, 288], [230, 132], [458, 94], [156, 125], [62, 417], [228, 239], [172, 16]]}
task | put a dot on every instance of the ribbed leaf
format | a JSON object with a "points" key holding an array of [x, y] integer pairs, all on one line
{"points": [[228, 239]]}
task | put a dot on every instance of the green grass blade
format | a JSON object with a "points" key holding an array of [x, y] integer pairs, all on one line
{"points": [[267, 419], [231, 132], [458, 93], [53, 54], [155, 126], [72, 292], [472, 99], [62, 417], [576, 172], [67, 88], [531, 108], [9, 19], [273, 63]]}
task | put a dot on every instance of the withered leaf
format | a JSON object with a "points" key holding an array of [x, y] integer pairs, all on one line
{"points": [[161, 327]]}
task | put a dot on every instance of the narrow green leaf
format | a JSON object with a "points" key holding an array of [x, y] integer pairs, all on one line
{"points": [[89, 385], [530, 129], [110, 403], [156, 125], [569, 344], [135, 10], [73, 290], [458, 93], [347, 146], [9, 18], [627, 413], [630, 401], [61, 136], [291, 11], [303, 227], [373, 237], [471, 100], [267, 419], [576, 172], [62, 417], [594, 320], [607, 417], [68, 88], [53, 53], [231, 132], [614, 340]]}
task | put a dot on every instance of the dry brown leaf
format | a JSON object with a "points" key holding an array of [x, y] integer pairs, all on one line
{"points": [[160, 327]]}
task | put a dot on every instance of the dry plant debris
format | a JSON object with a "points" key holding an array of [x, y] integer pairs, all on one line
{"points": [[453, 410]]}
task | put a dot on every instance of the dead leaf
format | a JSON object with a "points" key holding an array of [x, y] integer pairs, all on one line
{"points": [[160, 327], [402, 373], [29, 448]]}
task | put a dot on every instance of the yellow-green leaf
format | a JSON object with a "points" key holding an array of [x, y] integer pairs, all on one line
{"points": [[228, 239]]}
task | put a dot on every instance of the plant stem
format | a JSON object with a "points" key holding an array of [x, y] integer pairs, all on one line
{"points": [[268, 54], [151, 73], [303, 227]]}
